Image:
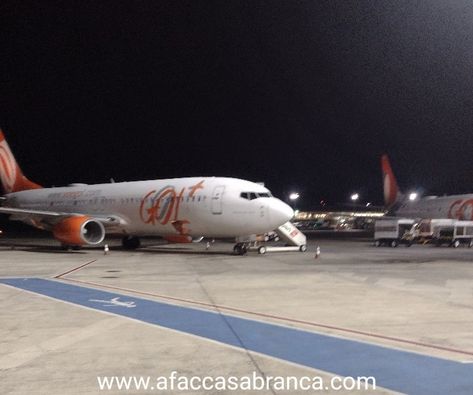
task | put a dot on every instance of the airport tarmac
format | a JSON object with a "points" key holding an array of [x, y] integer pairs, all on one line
{"points": [[402, 315]]}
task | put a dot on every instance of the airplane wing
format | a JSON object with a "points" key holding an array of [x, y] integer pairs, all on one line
{"points": [[26, 212], [53, 217]]}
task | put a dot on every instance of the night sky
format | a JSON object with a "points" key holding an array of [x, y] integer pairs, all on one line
{"points": [[303, 95]]}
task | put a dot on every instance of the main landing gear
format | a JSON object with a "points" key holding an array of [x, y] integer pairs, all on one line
{"points": [[240, 249], [131, 242]]}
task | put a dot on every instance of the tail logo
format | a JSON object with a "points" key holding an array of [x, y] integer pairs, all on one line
{"points": [[389, 191], [7, 167]]}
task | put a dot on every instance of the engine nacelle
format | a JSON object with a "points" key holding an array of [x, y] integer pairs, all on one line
{"points": [[79, 230]]}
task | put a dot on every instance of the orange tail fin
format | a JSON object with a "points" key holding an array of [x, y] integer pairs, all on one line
{"points": [[11, 176], [390, 188]]}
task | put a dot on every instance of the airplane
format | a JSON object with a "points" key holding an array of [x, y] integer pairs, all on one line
{"points": [[432, 207], [179, 209]]}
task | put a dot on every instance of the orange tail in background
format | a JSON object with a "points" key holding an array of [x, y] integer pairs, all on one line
{"points": [[11, 176], [390, 188]]}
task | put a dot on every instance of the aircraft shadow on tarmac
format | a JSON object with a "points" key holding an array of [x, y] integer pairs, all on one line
{"points": [[152, 248], [31, 247], [182, 250]]}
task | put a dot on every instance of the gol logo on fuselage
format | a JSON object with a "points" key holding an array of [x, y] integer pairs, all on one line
{"points": [[162, 206], [461, 209]]}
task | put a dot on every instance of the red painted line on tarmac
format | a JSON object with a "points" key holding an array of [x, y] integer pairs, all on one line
{"points": [[75, 269], [287, 319]]}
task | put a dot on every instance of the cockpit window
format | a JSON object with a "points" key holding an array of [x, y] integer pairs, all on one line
{"points": [[248, 195], [255, 195]]}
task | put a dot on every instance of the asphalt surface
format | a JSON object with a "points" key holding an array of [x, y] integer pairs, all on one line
{"points": [[402, 315]]}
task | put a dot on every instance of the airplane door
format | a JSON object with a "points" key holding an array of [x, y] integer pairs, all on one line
{"points": [[217, 199]]}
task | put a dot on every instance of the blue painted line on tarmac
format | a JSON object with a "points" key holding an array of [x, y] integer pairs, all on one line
{"points": [[401, 371]]}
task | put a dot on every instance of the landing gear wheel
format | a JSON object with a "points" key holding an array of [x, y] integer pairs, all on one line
{"points": [[131, 242], [394, 243], [303, 248], [240, 249]]}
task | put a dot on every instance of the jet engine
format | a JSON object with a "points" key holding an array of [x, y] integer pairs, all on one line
{"points": [[79, 230]]}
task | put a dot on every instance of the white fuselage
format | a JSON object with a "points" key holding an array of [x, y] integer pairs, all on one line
{"points": [[453, 206], [195, 206]]}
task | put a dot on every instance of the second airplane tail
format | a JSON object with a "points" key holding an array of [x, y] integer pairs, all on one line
{"points": [[392, 194], [11, 176]]}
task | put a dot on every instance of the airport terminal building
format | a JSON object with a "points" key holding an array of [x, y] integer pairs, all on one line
{"points": [[343, 218]]}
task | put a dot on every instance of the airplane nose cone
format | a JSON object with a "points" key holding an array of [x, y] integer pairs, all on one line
{"points": [[280, 213]]}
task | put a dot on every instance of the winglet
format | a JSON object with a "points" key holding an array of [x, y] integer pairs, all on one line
{"points": [[11, 176], [390, 187]]}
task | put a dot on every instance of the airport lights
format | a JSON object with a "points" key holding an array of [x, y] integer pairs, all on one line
{"points": [[413, 196], [355, 197], [293, 197]]}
